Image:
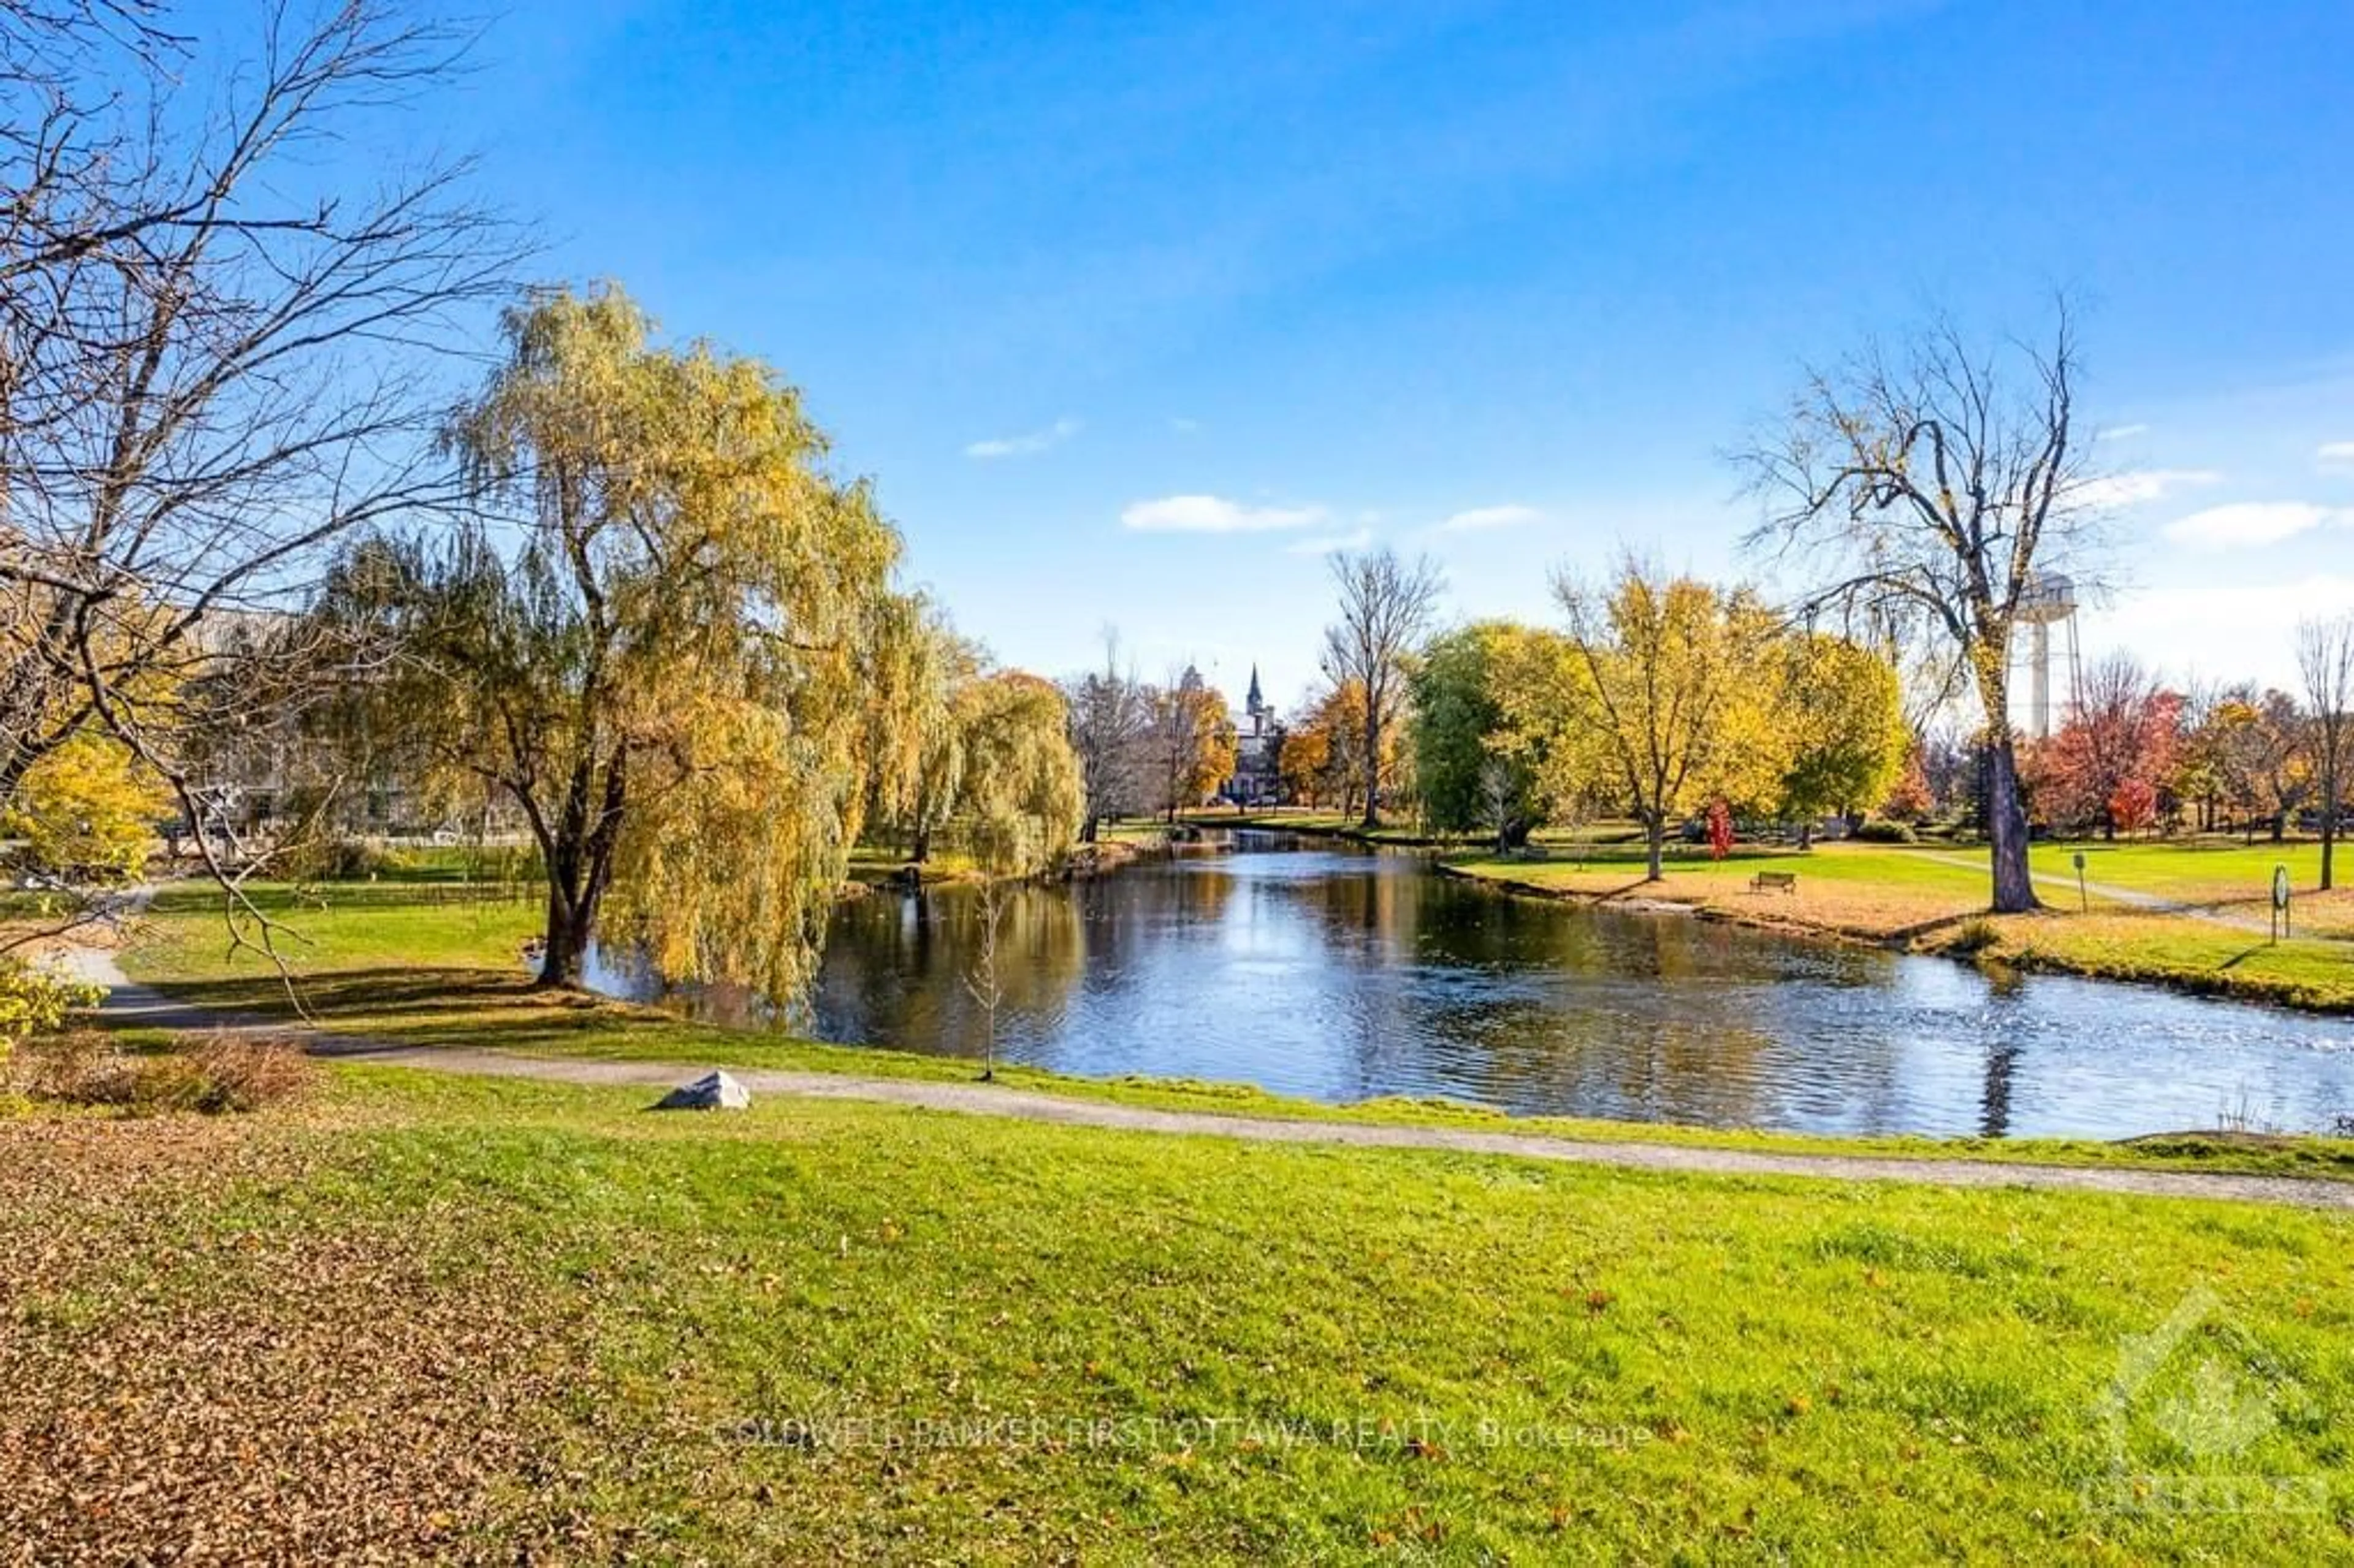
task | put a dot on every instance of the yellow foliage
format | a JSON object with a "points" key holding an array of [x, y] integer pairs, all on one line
{"points": [[88, 808]]}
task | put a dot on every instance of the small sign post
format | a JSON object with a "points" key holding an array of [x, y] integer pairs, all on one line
{"points": [[2280, 902], [2083, 899]]}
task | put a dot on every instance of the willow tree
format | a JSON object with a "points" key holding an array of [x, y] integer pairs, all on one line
{"points": [[918, 668], [1939, 489], [656, 645], [1022, 795]]}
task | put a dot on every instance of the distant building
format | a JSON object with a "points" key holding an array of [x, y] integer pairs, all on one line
{"points": [[1258, 753]]}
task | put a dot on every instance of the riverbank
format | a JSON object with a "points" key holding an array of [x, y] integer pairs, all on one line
{"points": [[824, 1329], [1116, 844], [2191, 920], [423, 976]]}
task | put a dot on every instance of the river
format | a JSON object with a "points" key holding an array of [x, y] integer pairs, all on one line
{"points": [[1322, 970]]}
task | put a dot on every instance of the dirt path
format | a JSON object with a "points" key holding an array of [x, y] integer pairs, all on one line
{"points": [[139, 1004]]}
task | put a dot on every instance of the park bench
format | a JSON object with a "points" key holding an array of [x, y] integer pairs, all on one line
{"points": [[1779, 881]]}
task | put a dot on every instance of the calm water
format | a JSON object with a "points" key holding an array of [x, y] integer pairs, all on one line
{"points": [[1339, 975]]}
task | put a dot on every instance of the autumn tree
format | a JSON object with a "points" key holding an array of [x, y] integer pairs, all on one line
{"points": [[1942, 485], [1912, 798], [1191, 741], [1663, 698], [2259, 740], [2325, 661], [1023, 796], [2198, 778], [1385, 608], [87, 809], [1305, 761], [1840, 716], [2106, 765], [918, 701], [656, 648], [914, 663], [224, 352]]}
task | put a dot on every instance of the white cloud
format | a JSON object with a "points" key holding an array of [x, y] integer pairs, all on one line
{"points": [[1184, 426], [2335, 454], [2248, 523], [1214, 515], [1511, 515], [1330, 544], [1036, 441], [2138, 487], [2221, 633], [2121, 433]]}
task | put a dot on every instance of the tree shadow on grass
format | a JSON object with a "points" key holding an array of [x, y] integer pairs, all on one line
{"points": [[407, 1007]]}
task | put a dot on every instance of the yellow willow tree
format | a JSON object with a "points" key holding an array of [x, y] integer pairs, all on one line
{"points": [[657, 647], [1021, 798], [919, 668], [1663, 698]]}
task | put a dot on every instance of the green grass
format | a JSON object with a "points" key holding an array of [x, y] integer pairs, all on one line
{"points": [[333, 927], [1223, 1351], [2195, 955], [2190, 872]]}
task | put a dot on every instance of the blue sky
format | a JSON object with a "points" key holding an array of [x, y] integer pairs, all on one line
{"points": [[1132, 309]]}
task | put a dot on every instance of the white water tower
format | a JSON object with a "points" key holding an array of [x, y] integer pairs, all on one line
{"points": [[2049, 600]]}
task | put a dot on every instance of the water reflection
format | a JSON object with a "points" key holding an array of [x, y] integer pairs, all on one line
{"points": [[1343, 976]]}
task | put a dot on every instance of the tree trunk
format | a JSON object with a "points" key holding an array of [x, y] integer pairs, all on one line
{"points": [[565, 950], [2280, 825], [2014, 886], [2329, 822], [919, 847], [1655, 834], [1087, 830]]}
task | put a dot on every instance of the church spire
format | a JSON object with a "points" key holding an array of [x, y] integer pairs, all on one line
{"points": [[1253, 703]]}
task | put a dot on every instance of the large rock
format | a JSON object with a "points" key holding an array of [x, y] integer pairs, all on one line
{"points": [[713, 1091]]}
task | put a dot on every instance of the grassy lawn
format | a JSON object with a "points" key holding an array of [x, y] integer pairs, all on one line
{"points": [[1867, 891], [833, 1331], [335, 927]]}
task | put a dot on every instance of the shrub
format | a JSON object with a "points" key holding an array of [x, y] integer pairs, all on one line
{"points": [[206, 1074], [34, 1000], [339, 860], [1974, 936], [1884, 833]]}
